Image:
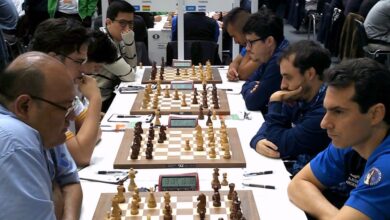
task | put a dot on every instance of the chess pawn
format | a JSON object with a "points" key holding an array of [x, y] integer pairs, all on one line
{"points": [[187, 147], [183, 100], [134, 207], [167, 198], [199, 143], [167, 212], [177, 72], [132, 184], [167, 95], [151, 199], [121, 191], [201, 115], [193, 70], [116, 211], [185, 72], [194, 100], [157, 118], [224, 180], [231, 190], [214, 117], [176, 95], [212, 152], [226, 150]]}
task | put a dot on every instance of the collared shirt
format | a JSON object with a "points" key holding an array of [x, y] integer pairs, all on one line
{"points": [[371, 195], [25, 185]]}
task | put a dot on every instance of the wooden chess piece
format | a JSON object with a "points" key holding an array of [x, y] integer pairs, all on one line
{"points": [[140, 65], [132, 184], [187, 147], [151, 199], [201, 115], [167, 198], [183, 100], [201, 206], [121, 191], [226, 153], [209, 118], [216, 197], [157, 118], [136, 194], [134, 207], [215, 181], [214, 117], [231, 190], [116, 211], [194, 100], [167, 212], [224, 180], [212, 152], [167, 95], [176, 95], [177, 72]]}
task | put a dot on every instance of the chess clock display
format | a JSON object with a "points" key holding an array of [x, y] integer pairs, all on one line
{"points": [[182, 85], [182, 122], [179, 182]]}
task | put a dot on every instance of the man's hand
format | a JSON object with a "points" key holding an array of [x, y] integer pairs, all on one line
{"points": [[286, 96], [128, 36], [267, 148], [232, 74], [257, 83], [88, 87]]}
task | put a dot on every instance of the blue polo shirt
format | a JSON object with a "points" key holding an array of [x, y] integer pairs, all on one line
{"points": [[269, 76], [371, 195], [25, 185]]}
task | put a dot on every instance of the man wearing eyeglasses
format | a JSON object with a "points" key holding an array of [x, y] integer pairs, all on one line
{"points": [[36, 105], [119, 27], [265, 42], [84, 130]]}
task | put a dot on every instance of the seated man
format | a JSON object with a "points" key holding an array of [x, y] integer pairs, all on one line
{"points": [[73, 53], [119, 27], [197, 26], [377, 23], [265, 42], [292, 125], [36, 96], [358, 122], [242, 66]]}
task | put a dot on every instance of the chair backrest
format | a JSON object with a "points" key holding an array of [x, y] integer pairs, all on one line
{"points": [[362, 35], [142, 54], [196, 51]]}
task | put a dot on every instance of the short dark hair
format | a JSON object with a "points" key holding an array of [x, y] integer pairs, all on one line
{"points": [[101, 49], [17, 81], [59, 35], [370, 79], [265, 23], [308, 54], [236, 16], [119, 6]]}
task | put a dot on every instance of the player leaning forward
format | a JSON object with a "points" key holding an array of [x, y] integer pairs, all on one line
{"points": [[119, 28], [357, 120], [36, 104]]}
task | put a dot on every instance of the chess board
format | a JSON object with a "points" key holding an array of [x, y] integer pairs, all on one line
{"points": [[183, 206], [169, 106], [170, 75], [171, 153]]}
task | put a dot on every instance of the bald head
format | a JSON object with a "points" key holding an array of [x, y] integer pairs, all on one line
{"points": [[33, 73]]}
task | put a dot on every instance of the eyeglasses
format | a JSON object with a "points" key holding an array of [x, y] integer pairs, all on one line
{"points": [[79, 62], [250, 43], [124, 23], [68, 110]]}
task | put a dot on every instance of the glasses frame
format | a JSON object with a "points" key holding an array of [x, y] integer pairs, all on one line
{"points": [[75, 61], [124, 23], [68, 110], [249, 43]]}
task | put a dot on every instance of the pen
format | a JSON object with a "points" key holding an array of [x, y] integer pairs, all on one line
{"points": [[259, 186], [259, 173], [110, 172], [128, 116]]}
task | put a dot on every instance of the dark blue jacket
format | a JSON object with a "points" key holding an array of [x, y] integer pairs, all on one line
{"points": [[295, 128], [269, 76]]}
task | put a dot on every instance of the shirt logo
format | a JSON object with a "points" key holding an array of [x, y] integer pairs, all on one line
{"points": [[373, 177]]}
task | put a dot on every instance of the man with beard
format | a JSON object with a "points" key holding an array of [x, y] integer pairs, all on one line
{"points": [[292, 126]]}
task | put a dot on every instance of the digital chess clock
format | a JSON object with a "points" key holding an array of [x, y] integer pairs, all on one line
{"points": [[182, 122], [182, 85], [181, 63], [179, 182]]}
